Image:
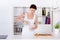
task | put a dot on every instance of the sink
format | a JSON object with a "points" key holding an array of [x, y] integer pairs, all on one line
{"points": [[3, 36]]}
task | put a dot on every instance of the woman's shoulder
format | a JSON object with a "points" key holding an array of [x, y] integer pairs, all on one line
{"points": [[35, 15]]}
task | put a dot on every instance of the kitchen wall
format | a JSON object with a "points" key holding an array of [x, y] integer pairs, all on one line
{"points": [[6, 12]]}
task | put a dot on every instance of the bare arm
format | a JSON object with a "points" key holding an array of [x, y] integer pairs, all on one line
{"points": [[19, 18], [35, 24]]}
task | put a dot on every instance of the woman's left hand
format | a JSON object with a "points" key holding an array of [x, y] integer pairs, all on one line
{"points": [[32, 28]]}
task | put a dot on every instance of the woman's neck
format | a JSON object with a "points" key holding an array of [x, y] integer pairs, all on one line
{"points": [[30, 15]]}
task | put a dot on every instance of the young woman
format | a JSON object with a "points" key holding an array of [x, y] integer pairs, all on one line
{"points": [[30, 21]]}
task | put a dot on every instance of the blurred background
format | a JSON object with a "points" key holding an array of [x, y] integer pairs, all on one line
{"points": [[7, 9]]}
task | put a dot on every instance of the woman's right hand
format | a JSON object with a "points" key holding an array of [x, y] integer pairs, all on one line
{"points": [[26, 22]]}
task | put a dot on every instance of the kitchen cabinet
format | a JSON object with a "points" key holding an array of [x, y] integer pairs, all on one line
{"points": [[17, 25]]}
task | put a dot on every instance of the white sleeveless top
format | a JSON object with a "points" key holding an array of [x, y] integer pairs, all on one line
{"points": [[31, 21], [26, 31]]}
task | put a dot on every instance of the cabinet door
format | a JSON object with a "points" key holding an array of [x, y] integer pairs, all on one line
{"points": [[18, 25], [18, 11], [44, 29]]}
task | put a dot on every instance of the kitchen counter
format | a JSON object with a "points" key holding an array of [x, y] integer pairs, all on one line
{"points": [[55, 36]]}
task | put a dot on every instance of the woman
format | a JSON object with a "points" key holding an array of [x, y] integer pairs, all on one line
{"points": [[30, 21]]}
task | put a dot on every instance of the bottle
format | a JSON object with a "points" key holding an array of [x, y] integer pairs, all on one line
{"points": [[43, 11], [47, 21]]}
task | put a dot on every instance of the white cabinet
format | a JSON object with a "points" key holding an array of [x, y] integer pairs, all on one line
{"points": [[44, 29], [18, 11], [17, 25]]}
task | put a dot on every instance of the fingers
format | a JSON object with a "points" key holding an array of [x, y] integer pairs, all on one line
{"points": [[32, 28], [26, 22]]}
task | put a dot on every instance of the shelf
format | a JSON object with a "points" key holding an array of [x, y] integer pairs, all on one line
{"points": [[39, 23]]}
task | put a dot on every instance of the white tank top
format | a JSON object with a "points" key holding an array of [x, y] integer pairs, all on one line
{"points": [[31, 21], [26, 31]]}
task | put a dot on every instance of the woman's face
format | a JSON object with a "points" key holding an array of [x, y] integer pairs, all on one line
{"points": [[32, 10]]}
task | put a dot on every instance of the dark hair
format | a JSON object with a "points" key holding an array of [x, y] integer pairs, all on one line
{"points": [[33, 6]]}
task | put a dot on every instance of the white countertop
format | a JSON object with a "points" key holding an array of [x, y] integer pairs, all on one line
{"points": [[55, 36]]}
